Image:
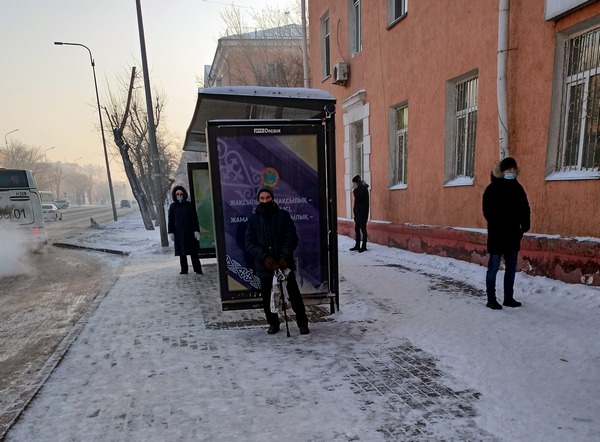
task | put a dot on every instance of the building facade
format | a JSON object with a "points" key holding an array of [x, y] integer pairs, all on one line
{"points": [[267, 57], [431, 94]]}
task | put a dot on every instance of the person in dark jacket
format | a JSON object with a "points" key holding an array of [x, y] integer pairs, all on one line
{"points": [[270, 240], [361, 213], [506, 209], [184, 230]]}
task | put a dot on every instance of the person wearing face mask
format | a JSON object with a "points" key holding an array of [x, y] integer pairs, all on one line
{"points": [[270, 241], [506, 209], [184, 230]]}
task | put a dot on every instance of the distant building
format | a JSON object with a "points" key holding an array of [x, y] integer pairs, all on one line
{"points": [[269, 57], [426, 107]]}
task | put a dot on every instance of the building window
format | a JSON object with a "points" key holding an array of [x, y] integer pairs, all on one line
{"points": [[579, 147], [355, 26], [462, 127], [399, 144], [396, 10], [325, 47], [276, 74], [357, 150]]}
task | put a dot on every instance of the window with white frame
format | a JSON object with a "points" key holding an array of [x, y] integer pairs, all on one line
{"points": [[325, 47], [461, 161], [396, 10], [579, 142], [355, 26], [398, 148], [357, 149]]}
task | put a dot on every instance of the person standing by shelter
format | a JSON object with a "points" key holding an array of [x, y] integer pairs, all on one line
{"points": [[270, 240], [360, 189], [184, 230], [506, 209]]}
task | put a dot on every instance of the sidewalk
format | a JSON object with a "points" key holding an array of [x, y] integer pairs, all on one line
{"points": [[413, 354]]}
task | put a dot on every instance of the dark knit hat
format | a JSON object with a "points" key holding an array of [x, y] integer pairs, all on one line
{"points": [[356, 179], [507, 163], [262, 189]]}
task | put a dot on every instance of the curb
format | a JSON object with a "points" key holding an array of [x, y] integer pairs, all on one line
{"points": [[74, 246]]}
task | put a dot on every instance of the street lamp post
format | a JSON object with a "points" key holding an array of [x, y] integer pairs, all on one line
{"points": [[160, 210], [5, 135], [45, 157], [110, 186]]}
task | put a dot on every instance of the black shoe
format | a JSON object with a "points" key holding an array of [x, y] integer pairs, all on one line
{"points": [[362, 249], [199, 272], [511, 303], [303, 329], [183, 273], [355, 248], [494, 305], [273, 329]]}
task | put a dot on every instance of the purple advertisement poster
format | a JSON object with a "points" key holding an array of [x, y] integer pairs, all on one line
{"points": [[288, 159]]}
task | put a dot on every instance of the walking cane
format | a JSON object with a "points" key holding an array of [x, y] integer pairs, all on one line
{"points": [[281, 278]]}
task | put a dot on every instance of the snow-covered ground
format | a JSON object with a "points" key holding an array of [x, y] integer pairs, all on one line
{"points": [[412, 354]]}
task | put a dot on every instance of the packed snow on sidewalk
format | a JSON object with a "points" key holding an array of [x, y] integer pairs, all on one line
{"points": [[412, 354]]}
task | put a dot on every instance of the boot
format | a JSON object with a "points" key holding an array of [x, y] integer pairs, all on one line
{"points": [[363, 248], [510, 302], [273, 328], [494, 305], [355, 248]]}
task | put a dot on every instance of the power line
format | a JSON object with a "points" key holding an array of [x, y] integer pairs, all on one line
{"points": [[228, 4]]}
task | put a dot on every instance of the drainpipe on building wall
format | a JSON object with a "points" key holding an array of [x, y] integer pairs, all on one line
{"points": [[503, 19], [304, 45]]}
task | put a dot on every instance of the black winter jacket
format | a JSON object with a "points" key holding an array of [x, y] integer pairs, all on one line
{"points": [[506, 209], [361, 202], [271, 234], [183, 222]]}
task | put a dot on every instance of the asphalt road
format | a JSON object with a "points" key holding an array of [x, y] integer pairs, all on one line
{"points": [[39, 308]]}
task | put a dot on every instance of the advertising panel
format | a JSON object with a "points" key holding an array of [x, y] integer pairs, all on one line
{"points": [[290, 158], [200, 194]]}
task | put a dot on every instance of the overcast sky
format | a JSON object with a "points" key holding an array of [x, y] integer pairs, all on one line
{"points": [[47, 91]]}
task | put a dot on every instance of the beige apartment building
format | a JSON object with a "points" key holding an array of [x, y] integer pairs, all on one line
{"points": [[431, 93]]}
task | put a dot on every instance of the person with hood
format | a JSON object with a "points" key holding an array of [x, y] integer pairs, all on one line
{"points": [[360, 189], [506, 209], [270, 241], [184, 230]]}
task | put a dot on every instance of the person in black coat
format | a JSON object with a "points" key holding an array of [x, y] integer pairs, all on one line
{"points": [[361, 213], [184, 229], [270, 241], [506, 209]]}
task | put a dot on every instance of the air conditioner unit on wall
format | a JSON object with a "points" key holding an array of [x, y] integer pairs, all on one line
{"points": [[340, 73]]}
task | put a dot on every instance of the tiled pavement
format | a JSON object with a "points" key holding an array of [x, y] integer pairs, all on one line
{"points": [[156, 325]]}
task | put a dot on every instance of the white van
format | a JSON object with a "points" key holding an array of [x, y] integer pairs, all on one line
{"points": [[20, 205]]}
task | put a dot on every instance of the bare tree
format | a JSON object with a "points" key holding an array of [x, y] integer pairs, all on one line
{"points": [[57, 176], [127, 116], [81, 184], [18, 155], [266, 54]]}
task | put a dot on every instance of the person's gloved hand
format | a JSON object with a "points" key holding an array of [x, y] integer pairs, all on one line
{"points": [[283, 264], [271, 264], [197, 236], [172, 236]]}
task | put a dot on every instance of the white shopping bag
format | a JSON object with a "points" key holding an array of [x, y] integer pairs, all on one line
{"points": [[278, 298]]}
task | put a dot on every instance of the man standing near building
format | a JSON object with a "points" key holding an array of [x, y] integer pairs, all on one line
{"points": [[506, 209], [360, 189], [271, 239]]}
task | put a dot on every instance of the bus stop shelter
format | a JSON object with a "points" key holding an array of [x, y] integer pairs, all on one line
{"points": [[245, 117]]}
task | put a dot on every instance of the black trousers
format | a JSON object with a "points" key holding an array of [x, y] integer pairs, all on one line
{"points": [[295, 299], [195, 263], [360, 227]]}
